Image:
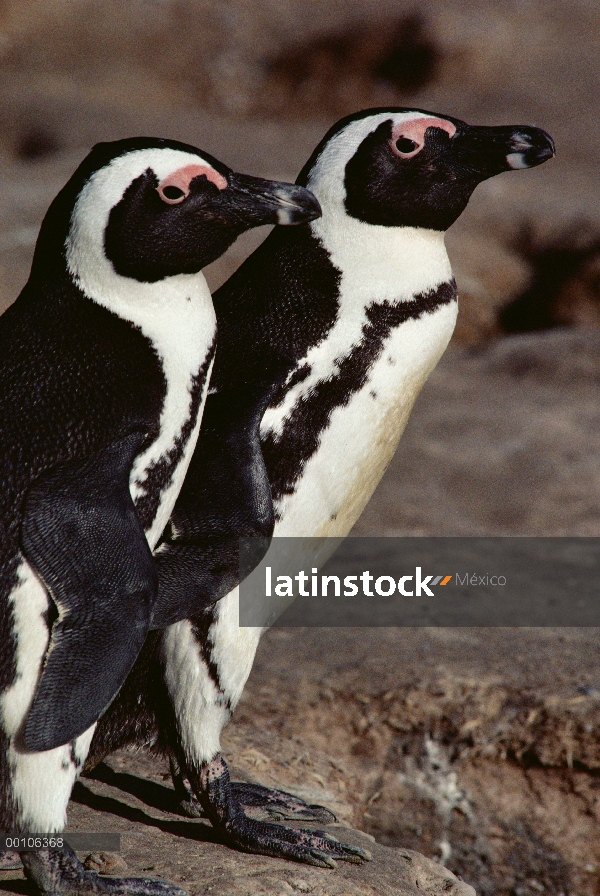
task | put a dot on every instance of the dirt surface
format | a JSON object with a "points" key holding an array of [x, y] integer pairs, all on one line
{"points": [[134, 800], [477, 748]]}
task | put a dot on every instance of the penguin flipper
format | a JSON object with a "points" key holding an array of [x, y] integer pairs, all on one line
{"points": [[226, 496], [82, 535], [192, 576]]}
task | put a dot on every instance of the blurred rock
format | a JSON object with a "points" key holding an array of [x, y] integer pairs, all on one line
{"points": [[105, 863], [564, 281], [35, 143], [9, 860], [474, 746]]}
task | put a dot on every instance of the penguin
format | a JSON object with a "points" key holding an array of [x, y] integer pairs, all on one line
{"points": [[327, 335], [105, 359]]}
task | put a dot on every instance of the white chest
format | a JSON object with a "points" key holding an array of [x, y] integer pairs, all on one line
{"points": [[359, 442]]}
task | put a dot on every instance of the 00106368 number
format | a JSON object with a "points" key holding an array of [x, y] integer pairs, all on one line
{"points": [[9, 841]]}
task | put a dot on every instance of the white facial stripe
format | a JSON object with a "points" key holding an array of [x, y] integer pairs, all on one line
{"points": [[394, 250], [86, 258], [327, 177], [105, 188], [377, 262]]}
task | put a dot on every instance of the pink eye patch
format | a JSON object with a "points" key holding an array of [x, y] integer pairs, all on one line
{"points": [[408, 137], [176, 186]]}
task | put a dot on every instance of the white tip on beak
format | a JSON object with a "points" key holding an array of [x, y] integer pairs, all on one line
{"points": [[516, 160]]}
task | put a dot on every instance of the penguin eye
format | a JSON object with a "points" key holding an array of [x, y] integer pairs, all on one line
{"points": [[171, 194], [405, 145]]}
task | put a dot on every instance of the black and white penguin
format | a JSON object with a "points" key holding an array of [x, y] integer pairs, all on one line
{"points": [[105, 359], [337, 326]]}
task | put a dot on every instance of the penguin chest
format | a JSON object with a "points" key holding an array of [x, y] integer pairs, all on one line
{"points": [[184, 343], [362, 431]]}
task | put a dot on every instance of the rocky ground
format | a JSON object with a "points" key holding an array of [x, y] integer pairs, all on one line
{"points": [[134, 799], [477, 748]]}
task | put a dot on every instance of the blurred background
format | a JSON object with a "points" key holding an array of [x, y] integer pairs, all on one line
{"points": [[477, 748]]}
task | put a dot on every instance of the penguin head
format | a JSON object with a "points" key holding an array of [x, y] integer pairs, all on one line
{"points": [[411, 168], [157, 208]]}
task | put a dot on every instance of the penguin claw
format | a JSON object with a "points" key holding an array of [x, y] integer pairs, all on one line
{"points": [[123, 886], [191, 808], [357, 855], [273, 808], [91, 884], [322, 859], [224, 805]]}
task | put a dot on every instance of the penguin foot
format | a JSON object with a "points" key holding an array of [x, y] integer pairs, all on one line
{"points": [[310, 847], [9, 860], [255, 800], [219, 799], [58, 872], [279, 804]]}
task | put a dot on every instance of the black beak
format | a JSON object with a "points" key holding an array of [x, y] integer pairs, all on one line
{"points": [[489, 151], [256, 201]]}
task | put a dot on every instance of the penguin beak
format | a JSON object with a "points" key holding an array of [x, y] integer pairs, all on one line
{"points": [[486, 152], [256, 201]]}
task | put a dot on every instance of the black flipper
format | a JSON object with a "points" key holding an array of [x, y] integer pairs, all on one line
{"points": [[226, 496], [82, 535]]}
